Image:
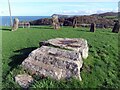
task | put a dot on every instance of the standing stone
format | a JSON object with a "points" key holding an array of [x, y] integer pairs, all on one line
{"points": [[27, 24], [21, 24], [15, 24], [61, 20], [75, 22], [55, 21], [92, 27], [116, 27]]}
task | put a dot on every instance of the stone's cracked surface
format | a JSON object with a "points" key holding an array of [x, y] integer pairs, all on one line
{"points": [[77, 44], [57, 62], [54, 62], [24, 80], [55, 52]]}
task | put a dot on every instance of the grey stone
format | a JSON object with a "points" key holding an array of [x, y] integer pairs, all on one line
{"points": [[116, 27], [24, 24], [55, 21], [59, 58], [15, 24], [77, 44], [54, 62], [92, 27], [75, 22], [24, 80]]}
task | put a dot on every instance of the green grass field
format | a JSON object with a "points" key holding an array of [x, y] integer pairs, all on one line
{"points": [[111, 17], [100, 69]]}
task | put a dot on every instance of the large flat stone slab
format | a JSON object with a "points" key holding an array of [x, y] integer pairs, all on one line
{"points": [[77, 44], [59, 58], [54, 62]]}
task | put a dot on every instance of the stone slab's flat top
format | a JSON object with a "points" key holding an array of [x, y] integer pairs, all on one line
{"points": [[55, 52], [74, 44], [68, 43]]}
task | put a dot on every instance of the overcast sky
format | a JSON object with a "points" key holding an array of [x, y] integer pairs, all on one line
{"points": [[49, 7]]}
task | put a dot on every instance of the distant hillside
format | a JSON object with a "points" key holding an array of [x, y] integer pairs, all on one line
{"points": [[106, 14], [102, 20], [101, 14]]}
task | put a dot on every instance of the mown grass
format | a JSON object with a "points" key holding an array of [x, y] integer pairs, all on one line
{"points": [[111, 17], [100, 69]]}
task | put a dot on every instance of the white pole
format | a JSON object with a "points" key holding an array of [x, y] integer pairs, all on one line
{"points": [[11, 23]]}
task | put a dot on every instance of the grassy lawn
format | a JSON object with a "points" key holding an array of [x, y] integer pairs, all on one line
{"points": [[111, 17], [100, 69]]}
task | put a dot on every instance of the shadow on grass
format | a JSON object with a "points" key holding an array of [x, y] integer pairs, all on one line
{"points": [[19, 58], [49, 27], [97, 30], [5, 29], [82, 30]]}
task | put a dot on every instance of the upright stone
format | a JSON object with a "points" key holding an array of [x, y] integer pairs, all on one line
{"points": [[75, 22], [61, 20], [55, 22], [15, 24], [92, 27], [116, 27]]}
